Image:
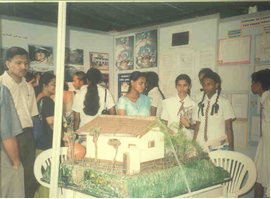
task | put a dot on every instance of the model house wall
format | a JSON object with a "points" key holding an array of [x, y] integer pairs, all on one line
{"points": [[147, 152]]}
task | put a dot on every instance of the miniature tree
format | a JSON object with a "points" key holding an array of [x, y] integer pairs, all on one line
{"points": [[115, 143], [69, 137], [95, 132]]}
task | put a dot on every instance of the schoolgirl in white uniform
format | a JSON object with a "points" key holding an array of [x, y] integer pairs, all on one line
{"points": [[180, 107], [214, 116]]}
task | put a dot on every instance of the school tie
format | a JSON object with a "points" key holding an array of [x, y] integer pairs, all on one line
{"points": [[181, 108], [261, 119], [206, 122]]}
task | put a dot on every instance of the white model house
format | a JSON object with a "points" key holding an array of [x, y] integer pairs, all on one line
{"points": [[136, 143]]}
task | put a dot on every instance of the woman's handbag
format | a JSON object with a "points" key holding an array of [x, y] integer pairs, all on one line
{"points": [[105, 110], [40, 135]]}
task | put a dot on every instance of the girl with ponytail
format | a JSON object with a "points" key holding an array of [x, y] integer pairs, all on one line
{"points": [[214, 116], [90, 100], [155, 93]]}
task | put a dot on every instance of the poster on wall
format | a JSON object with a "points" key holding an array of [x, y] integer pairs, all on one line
{"points": [[105, 80], [234, 51], [123, 84], [74, 56], [37, 72], [3, 66], [70, 70], [40, 56], [146, 49], [124, 53], [99, 60]]}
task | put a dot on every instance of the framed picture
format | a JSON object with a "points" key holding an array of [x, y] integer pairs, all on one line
{"points": [[70, 70], [105, 80], [99, 60], [74, 56], [124, 53], [146, 49], [41, 55], [3, 66]]}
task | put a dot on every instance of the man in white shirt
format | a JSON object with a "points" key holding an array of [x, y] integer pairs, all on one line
{"points": [[79, 79], [25, 102], [261, 86]]}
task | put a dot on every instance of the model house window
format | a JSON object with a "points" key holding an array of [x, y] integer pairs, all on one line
{"points": [[151, 144], [131, 146]]}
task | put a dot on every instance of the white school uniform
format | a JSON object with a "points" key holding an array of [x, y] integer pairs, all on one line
{"points": [[156, 100], [170, 109], [262, 158], [216, 128], [78, 104]]}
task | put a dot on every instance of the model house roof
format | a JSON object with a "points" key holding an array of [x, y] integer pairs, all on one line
{"points": [[124, 126]]}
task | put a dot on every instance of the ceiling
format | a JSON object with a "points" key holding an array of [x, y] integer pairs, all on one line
{"points": [[121, 16]]}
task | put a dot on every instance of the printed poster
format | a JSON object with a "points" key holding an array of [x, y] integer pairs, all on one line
{"points": [[74, 56], [124, 53], [3, 66], [146, 49], [40, 56], [123, 84], [99, 60], [70, 70]]}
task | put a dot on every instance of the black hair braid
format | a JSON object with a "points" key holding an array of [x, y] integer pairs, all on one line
{"points": [[92, 100], [161, 93], [201, 105], [215, 105]]}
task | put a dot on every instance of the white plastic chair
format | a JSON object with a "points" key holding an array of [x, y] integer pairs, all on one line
{"points": [[238, 165], [43, 160]]}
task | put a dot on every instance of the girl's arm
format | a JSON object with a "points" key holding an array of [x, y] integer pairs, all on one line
{"points": [[76, 120], [50, 121], [228, 124], [196, 130], [121, 112], [153, 111], [112, 111]]}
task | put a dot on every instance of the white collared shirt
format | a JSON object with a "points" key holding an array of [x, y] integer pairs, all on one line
{"points": [[24, 99], [216, 123], [156, 100], [78, 103], [265, 101], [170, 109]]}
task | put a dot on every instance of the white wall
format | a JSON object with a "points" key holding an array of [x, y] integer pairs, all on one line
{"points": [[45, 34]]}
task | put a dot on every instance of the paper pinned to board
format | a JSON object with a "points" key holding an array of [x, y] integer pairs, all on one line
{"points": [[255, 129], [234, 51], [167, 71], [240, 132], [240, 106]]}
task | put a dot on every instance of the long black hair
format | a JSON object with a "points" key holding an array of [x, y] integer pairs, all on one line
{"points": [[152, 81], [262, 76], [92, 98], [45, 78], [214, 76], [135, 76], [184, 77]]}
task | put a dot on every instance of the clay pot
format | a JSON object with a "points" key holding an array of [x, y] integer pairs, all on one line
{"points": [[79, 150]]}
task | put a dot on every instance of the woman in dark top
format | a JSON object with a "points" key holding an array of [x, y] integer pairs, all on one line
{"points": [[46, 109]]}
